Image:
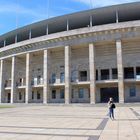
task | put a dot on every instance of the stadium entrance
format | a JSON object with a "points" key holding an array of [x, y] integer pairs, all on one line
{"points": [[106, 93]]}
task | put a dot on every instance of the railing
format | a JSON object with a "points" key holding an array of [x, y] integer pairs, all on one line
{"points": [[20, 84], [58, 81], [105, 77], [129, 76], [115, 76], [37, 81], [62, 81], [74, 79], [81, 79], [7, 83], [84, 78], [52, 81]]}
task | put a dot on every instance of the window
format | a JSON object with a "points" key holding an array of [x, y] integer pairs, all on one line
{"points": [[137, 72], [81, 93], [20, 96], [96, 74], [128, 73], [38, 79], [62, 93], [53, 78], [114, 73], [88, 93], [73, 76], [132, 91], [38, 95], [105, 74], [20, 81], [83, 75], [72, 95], [62, 77], [53, 94], [35, 81], [6, 83], [32, 94]]}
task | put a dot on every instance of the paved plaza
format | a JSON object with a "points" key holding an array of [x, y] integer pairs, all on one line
{"points": [[83, 122]]}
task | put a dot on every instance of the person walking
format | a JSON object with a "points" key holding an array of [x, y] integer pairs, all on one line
{"points": [[111, 106]]}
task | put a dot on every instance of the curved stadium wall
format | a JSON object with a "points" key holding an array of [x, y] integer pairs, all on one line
{"points": [[84, 57]]}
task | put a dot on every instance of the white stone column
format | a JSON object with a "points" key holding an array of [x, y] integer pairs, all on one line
{"points": [[67, 24], [1, 80], [110, 74], [92, 73], [99, 74], [30, 34], [47, 31], [120, 71], [16, 38], [117, 17], [67, 75], [13, 80], [91, 21], [46, 78], [28, 78], [135, 72], [4, 43]]}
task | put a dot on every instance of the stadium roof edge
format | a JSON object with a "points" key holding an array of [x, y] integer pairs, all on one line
{"points": [[134, 5]]}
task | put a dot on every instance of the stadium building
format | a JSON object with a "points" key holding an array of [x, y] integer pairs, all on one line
{"points": [[85, 57]]}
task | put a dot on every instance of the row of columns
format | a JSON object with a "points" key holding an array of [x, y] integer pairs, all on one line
{"points": [[92, 68], [67, 51]]}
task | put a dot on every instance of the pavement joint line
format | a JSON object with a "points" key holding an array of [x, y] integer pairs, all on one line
{"points": [[135, 113], [54, 117], [118, 125], [48, 128], [132, 125], [102, 126], [103, 123], [93, 138], [49, 134]]}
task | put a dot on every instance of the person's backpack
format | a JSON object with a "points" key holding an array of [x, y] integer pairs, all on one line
{"points": [[113, 106]]}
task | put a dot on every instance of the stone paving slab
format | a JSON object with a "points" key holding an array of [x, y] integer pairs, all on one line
{"points": [[69, 123]]}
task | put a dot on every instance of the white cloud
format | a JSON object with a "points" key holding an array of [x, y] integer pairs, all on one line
{"points": [[20, 10], [87, 2], [100, 3]]}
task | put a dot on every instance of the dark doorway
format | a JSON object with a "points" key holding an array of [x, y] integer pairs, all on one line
{"points": [[9, 97], [106, 93]]}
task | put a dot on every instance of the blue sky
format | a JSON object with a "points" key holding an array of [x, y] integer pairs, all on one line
{"points": [[18, 13]]}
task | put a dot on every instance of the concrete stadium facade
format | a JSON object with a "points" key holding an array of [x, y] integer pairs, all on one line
{"points": [[84, 57]]}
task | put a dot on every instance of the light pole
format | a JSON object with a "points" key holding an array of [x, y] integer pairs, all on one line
{"points": [[48, 8], [91, 4]]}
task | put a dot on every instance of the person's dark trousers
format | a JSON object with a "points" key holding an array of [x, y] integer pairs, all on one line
{"points": [[111, 113]]}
